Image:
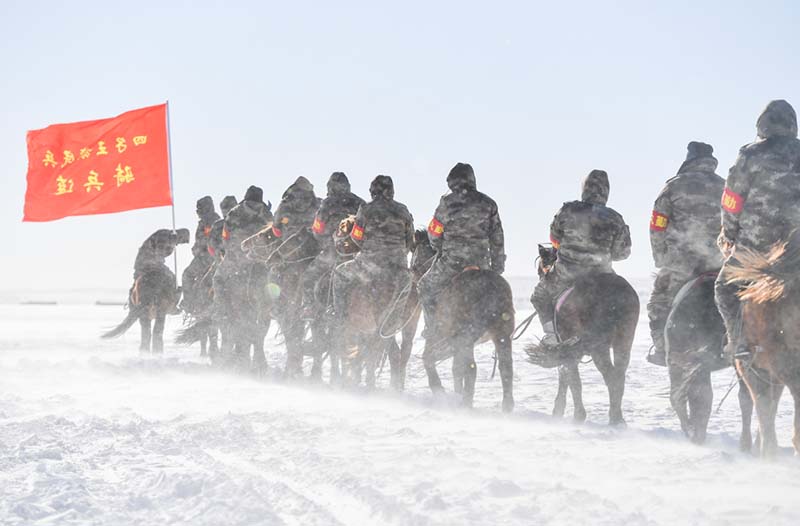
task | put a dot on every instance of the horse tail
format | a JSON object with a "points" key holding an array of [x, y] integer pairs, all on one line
{"points": [[764, 276], [194, 332], [133, 315]]}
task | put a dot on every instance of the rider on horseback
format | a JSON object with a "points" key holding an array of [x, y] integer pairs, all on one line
{"points": [[466, 232], [216, 241], [384, 231], [588, 236], [339, 204], [201, 260], [153, 252], [683, 229], [296, 209], [243, 220], [760, 204]]}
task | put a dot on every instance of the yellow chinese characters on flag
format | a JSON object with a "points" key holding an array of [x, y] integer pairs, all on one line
{"points": [[99, 167]]}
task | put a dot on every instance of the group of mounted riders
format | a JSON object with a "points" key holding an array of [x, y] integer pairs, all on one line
{"points": [[362, 248]]}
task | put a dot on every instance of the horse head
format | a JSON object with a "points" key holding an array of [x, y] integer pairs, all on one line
{"points": [[547, 258], [422, 254], [345, 246]]}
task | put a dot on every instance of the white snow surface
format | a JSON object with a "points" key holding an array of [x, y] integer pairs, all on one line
{"points": [[92, 432]]}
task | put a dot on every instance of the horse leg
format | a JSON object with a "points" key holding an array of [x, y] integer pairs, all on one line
{"points": [[560, 404], [318, 344], [429, 361], [406, 344], [746, 408], [259, 356], [505, 362], [144, 324], [615, 384], [573, 378], [294, 353], [459, 370], [158, 332], [213, 346], [394, 357], [701, 397], [678, 387], [470, 374], [794, 389], [204, 344], [764, 395], [374, 355]]}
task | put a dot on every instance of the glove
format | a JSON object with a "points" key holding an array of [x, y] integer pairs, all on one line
{"points": [[725, 245]]}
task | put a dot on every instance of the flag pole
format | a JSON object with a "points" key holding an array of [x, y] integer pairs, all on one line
{"points": [[172, 194]]}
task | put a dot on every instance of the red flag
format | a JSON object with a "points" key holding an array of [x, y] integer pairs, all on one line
{"points": [[99, 167]]}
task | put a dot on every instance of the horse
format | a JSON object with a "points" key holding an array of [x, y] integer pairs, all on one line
{"points": [[594, 316], [239, 311], [368, 335], [694, 336], [770, 295], [199, 307], [478, 306], [151, 298], [287, 260]]}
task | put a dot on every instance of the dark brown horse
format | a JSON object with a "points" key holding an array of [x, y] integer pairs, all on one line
{"points": [[287, 260], [200, 308], [694, 336], [595, 316], [151, 298], [770, 312], [477, 306], [375, 315]]}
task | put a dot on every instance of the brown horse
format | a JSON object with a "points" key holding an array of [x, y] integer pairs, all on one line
{"points": [[770, 312], [375, 315], [478, 306], [694, 335], [287, 260], [151, 298], [594, 316], [199, 308]]}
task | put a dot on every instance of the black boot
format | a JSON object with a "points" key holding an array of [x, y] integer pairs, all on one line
{"points": [[658, 354]]}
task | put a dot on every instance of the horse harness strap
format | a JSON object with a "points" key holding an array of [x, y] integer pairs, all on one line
{"points": [[561, 298]]}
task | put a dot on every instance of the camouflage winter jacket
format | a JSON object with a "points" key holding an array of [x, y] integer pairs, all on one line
{"points": [[156, 249], [339, 204], [202, 235], [685, 222], [466, 229], [216, 239], [589, 233], [384, 230], [296, 210], [761, 203]]}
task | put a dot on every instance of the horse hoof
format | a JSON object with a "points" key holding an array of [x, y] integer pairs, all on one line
{"points": [[618, 423], [508, 405], [579, 416]]}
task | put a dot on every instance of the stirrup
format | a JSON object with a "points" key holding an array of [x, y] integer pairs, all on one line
{"points": [[656, 358]]}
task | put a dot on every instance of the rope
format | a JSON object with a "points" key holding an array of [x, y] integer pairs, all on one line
{"points": [[734, 381], [404, 295], [524, 324]]}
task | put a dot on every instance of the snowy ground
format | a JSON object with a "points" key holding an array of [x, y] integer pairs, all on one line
{"points": [[93, 433]]}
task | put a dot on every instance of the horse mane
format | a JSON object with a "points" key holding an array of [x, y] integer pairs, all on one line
{"points": [[346, 226], [765, 277]]}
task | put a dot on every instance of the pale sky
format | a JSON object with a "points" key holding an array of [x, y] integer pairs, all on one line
{"points": [[533, 94]]}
